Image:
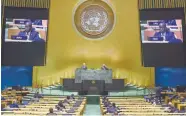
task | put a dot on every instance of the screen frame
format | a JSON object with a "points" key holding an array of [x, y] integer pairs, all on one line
{"points": [[35, 15], [181, 16]]}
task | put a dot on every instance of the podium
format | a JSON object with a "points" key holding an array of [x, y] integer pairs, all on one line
{"points": [[93, 74], [93, 82], [93, 87]]}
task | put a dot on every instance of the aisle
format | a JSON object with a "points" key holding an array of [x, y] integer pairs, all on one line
{"points": [[92, 110]]}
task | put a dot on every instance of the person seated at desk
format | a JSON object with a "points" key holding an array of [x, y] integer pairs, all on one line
{"points": [[104, 99], [182, 99], [148, 98], [36, 98], [19, 88], [169, 89], [37, 95], [67, 100], [168, 106], [84, 67], [60, 104], [112, 109], [60, 107], [14, 105], [104, 67], [24, 89], [158, 93], [71, 110], [51, 112], [166, 34], [171, 108], [77, 103], [107, 103], [2, 98], [31, 33], [114, 106], [72, 97]]}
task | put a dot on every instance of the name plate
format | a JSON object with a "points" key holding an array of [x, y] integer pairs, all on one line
{"points": [[20, 21], [155, 38], [15, 37]]}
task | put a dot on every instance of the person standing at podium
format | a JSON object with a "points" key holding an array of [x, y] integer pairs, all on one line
{"points": [[84, 66], [104, 67]]}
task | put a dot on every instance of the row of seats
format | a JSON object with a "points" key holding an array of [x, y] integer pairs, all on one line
{"points": [[50, 105], [132, 106], [9, 97]]}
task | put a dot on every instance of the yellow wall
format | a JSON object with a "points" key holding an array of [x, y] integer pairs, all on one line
{"points": [[67, 50]]}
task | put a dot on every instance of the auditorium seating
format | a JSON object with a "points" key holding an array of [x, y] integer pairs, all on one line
{"points": [[12, 95], [135, 106], [42, 107]]}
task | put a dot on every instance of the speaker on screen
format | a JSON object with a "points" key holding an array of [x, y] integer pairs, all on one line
{"points": [[24, 36], [162, 37]]}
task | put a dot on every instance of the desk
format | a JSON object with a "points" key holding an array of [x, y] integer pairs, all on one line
{"points": [[155, 42], [91, 74], [181, 106], [11, 40], [14, 31], [42, 109], [168, 93], [150, 33], [9, 101], [175, 102], [3, 104], [182, 94]]}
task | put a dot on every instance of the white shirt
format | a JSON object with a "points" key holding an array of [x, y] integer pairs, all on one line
{"points": [[163, 35], [28, 35]]}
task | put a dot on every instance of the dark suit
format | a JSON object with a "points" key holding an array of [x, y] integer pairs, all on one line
{"points": [[37, 95], [34, 35], [158, 93], [66, 101], [14, 105], [2, 98], [60, 104], [107, 104], [84, 67], [169, 36], [77, 104], [104, 68], [170, 90]]}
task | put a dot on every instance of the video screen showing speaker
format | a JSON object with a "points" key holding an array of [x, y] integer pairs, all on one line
{"points": [[25, 30], [162, 37], [161, 31], [24, 36]]}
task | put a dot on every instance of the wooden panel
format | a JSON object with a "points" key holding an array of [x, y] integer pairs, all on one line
{"points": [[147, 4], [27, 3]]}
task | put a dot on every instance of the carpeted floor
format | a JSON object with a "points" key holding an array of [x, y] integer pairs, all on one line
{"points": [[92, 110]]}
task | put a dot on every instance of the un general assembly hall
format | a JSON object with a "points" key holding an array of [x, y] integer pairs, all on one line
{"points": [[93, 57]]}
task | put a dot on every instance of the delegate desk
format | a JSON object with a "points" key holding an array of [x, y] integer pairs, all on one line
{"points": [[93, 74], [93, 82], [15, 31], [181, 106]]}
